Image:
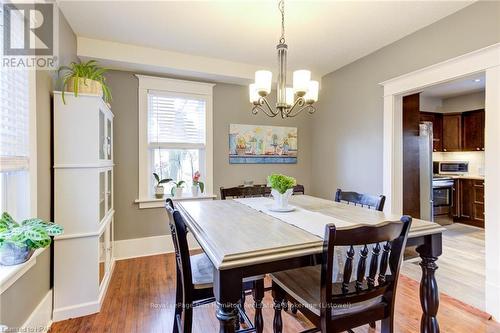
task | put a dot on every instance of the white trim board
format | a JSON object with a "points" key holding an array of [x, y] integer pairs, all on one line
{"points": [[148, 246], [40, 319], [485, 60]]}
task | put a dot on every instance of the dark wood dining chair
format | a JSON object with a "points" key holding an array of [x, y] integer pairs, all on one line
{"points": [[341, 306], [253, 191], [361, 199], [194, 285]]}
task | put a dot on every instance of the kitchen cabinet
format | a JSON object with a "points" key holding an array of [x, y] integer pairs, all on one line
{"points": [[452, 132], [437, 128], [473, 130], [455, 208], [470, 202]]}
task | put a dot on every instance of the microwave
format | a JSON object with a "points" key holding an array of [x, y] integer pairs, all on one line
{"points": [[450, 167]]}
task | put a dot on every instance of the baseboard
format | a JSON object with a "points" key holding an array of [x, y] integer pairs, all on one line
{"points": [[41, 318], [147, 246], [493, 299], [75, 311]]}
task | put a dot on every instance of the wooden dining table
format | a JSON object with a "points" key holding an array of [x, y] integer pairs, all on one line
{"points": [[242, 242]]}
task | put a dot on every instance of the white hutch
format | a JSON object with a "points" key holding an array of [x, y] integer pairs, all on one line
{"points": [[83, 203]]}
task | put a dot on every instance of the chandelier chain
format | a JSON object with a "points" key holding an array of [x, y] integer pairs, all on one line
{"points": [[281, 7]]}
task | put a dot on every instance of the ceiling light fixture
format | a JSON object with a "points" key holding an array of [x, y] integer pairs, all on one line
{"points": [[477, 80], [289, 101]]}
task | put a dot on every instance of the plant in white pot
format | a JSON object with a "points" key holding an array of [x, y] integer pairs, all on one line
{"points": [[197, 184], [176, 191], [18, 241], [159, 189], [85, 77], [282, 189]]}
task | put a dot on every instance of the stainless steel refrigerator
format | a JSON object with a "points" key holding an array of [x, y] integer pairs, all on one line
{"points": [[426, 171]]}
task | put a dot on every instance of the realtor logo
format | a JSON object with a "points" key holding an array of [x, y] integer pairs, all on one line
{"points": [[28, 36]]}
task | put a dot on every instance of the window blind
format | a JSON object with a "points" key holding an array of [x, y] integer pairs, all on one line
{"points": [[14, 115], [175, 119]]}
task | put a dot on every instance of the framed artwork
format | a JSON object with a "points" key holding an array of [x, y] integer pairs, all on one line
{"points": [[255, 144]]}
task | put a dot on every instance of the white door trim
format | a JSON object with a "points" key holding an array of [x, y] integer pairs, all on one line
{"points": [[484, 60]]}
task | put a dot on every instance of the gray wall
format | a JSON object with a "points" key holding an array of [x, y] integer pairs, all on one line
{"points": [[230, 106], [19, 301], [347, 141]]}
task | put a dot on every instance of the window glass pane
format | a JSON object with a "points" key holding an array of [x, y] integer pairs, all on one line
{"points": [[14, 197], [177, 164]]}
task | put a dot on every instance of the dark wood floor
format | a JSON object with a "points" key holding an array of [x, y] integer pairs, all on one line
{"points": [[141, 295]]}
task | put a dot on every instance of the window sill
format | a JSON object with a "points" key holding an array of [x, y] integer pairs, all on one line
{"points": [[10, 274], [159, 203]]}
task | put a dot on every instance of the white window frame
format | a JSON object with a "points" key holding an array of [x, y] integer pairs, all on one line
{"points": [[200, 89]]}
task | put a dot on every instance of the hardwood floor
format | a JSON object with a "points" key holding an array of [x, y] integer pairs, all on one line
{"points": [[142, 292], [461, 272]]}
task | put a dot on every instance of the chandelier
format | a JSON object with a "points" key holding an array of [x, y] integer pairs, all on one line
{"points": [[289, 101]]}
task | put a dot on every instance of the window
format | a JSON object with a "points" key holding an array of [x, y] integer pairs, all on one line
{"points": [[17, 139], [175, 132]]}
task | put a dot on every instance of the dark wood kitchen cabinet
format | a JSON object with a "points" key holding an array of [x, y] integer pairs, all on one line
{"points": [[437, 128], [452, 132], [473, 130], [470, 202], [455, 208]]}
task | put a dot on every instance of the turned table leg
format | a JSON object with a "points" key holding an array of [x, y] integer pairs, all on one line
{"points": [[258, 295], [429, 294], [227, 290]]}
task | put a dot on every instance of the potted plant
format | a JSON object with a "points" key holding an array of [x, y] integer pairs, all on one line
{"points": [[159, 189], [85, 77], [282, 189], [177, 189], [241, 146], [18, 241], [197, 184]]}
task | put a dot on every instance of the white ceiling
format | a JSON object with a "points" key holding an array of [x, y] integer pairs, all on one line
{"points": [[463, 86], [321, 35]]}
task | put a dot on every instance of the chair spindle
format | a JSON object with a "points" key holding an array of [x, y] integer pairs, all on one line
{"points": [[348, 269], [373, 265], [363, 254], [384, 262]]}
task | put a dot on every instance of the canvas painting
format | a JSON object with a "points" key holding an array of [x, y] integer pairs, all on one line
{"points": [[254, 144]]}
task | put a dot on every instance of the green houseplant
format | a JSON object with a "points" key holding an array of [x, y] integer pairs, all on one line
{"points": [[84, 77], [176, 191], [18, 241], [282, 189], [159, 189]]}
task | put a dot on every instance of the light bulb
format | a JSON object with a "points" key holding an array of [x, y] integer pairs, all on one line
{"points": [[253, 94], [301, 80], [263, 80], [312, 93], [289, 96]]}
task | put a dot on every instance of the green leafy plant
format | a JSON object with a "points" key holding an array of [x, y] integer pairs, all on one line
{"points": [[89, 70], [281, 183], [178, 184], [161, 181], [34, 233]]}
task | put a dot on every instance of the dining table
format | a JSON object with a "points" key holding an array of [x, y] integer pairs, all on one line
{"points": [[242, 238]]}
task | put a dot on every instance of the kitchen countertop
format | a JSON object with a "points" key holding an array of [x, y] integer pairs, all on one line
{"points": [[476, 177]]}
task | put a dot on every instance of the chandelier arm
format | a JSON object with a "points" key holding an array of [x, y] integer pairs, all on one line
{"points": [[309, 107], [259, 106], [298, 102]]}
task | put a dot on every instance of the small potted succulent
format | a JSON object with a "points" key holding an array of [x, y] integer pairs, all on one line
{"points": [[18, 241], [197, 184], [282, 189], [241, 146], [176, 191], [85, 77], [159, 189]]}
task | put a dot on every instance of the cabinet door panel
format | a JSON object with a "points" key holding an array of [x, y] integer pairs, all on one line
{"points": [[437, 128], [452, 132], [473, 130], [466, 198]]}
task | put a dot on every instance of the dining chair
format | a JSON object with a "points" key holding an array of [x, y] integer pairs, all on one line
{"points": [[253, 191], [194, 285], [336, 302], [361, 199]]}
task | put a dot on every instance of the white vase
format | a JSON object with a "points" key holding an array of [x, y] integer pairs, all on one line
{"points": [[281, 200], [159, 191], [195, 190], [178, 192]]}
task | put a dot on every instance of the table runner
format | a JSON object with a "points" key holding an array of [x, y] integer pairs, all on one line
{"points": [[314, 223]]}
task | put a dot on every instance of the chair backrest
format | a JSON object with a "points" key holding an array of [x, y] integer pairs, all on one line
{"points": [[361, 199], [252, 191], [179, 237], [372, 280]]}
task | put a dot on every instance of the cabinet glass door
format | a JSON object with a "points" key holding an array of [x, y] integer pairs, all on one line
{"points": [[109, 138], [102, 136], [102, 257], [102, 195], [109, 190]]}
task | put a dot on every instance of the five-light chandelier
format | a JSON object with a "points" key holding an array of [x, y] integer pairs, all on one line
{"points": [[289, 101]]}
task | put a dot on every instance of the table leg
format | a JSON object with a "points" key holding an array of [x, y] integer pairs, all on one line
{"points": [[227, 291], [429, 294], [258, 295], [279, 297]]}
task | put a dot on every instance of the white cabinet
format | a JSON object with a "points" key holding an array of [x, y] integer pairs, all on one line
{"points": [[83, 204]]}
